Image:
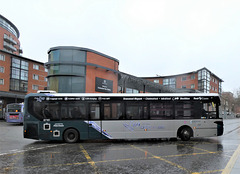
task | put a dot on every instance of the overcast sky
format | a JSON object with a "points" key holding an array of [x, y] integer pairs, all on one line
{"points": [[148, 37]]}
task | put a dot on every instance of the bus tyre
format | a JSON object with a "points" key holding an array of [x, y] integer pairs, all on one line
{"points": [[185, 134], [71, 136]]}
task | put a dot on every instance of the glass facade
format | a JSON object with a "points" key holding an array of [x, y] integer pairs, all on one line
{"points": [[204, 81], [170, 82], [19, 75], [67, 71]]}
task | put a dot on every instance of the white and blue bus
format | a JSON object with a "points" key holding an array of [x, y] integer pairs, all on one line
{"points": [[72, 117], [14, 113]]}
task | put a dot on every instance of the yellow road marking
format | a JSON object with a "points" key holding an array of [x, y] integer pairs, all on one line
{"points": [[197, 148], [93, 164], [232, 161], [162, 159], [211, 171], [89, 159]]}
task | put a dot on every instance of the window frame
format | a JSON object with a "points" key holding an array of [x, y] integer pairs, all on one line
{"points": [[2, 57], [36, 67], [1, 81], [2, 69], [35, 77], [33, 87]]}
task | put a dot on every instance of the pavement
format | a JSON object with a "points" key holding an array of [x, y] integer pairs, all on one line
{"points": [[236, 166], [233, 166]]}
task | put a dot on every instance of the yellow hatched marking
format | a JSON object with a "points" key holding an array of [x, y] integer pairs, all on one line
{"points": [[162, 159], [89, 159], [232, 161]]}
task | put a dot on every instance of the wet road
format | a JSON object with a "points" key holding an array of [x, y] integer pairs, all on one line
{"points": [[200, 155]]}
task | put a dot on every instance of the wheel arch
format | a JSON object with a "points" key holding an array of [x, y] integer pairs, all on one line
{"points": [[181, 128], [69, 129]]}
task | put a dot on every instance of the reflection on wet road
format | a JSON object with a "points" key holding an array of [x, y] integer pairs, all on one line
{"points": [[200, 155]]}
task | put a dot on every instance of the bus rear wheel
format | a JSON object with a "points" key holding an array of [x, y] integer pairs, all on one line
{"points": [[185, 134], [71, 136]]}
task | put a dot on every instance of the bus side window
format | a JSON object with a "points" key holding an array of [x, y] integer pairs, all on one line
{"points": [[113, 111], [134, 111], [161, 110], [94, 111], [78, 112]]}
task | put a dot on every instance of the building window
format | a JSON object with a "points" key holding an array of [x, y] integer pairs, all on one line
{"points": [[130, 90], [16, 63], [1, 81], [23, 86], [35, 87], [184, 87], [35, 77], [184, 78], [1, 69], [193, 77], [14, 85], [24, 75], [165, 81], [192, 86], [15, 73], [35, 66], [156, 81], [2, 57], [171, 82], [24, 65]]}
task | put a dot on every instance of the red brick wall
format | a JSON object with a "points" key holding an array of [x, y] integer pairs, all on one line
{"points": [[188, 82], [93, 72], [6, 75], [214, 85], [41, 77]]}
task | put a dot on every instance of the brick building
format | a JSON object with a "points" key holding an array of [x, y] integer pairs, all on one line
{"points": [[18, 75], [202, 80], [77, 69], [9, 37]]}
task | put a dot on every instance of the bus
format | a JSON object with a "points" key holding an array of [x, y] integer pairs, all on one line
{"points": [[14, 113], [72, 117]]}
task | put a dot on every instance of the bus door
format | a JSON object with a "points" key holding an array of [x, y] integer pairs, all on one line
{"points": [[94, 122]]}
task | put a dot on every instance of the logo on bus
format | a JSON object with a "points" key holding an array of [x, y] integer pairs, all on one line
{"points": [[39, 99]]}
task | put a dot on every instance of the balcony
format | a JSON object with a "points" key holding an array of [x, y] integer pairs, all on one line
{"points": [[9, 46], [9, 39]]}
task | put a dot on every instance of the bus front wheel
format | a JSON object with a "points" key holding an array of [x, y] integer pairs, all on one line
{"points": [[71, 136], [185, 134]]}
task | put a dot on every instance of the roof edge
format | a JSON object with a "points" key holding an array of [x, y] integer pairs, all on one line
{"points": [[18, 33], [81, 49]]}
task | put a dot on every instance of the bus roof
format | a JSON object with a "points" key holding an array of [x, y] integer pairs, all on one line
{"points": [[15, 104], [126, 94]]}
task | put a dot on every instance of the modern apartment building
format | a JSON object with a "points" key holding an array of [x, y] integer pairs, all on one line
{"points": [[202, 80], [18, 75]]}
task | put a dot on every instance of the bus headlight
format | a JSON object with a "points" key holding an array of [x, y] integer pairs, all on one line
{"points": [[56, 133], [46, 126]]}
